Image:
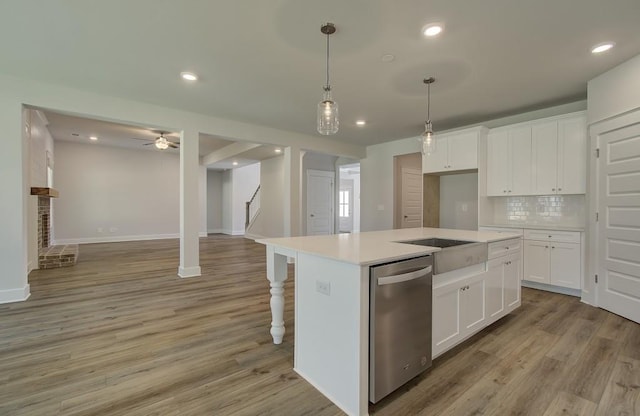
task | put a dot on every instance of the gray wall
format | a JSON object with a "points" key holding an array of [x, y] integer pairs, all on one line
{"points": [[214, 201], [459, 201]]}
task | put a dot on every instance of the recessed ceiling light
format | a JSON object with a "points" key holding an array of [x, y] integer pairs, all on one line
{"points": [[94, 138], [432, 29], [361, 122], [602, 47], [387, 57], [235, 163], [189, 76], [278, 150]]}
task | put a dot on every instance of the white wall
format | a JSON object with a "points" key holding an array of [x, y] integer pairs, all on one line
{"points": [[238, 185], [376, 183], [214, 201], [614, 92], [245, 181], [459, 201], [270, 219], [128, 194]]}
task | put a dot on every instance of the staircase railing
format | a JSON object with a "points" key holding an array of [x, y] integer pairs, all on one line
{"points": [[252, 207]]}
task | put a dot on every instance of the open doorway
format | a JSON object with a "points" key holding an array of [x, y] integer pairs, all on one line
{"points": [[349, 199]]}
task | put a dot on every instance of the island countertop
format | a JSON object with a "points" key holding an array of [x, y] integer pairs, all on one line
{"points": [[374, 247]]}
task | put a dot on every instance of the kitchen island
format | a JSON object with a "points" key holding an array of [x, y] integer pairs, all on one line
{"points": [[332, 299]]}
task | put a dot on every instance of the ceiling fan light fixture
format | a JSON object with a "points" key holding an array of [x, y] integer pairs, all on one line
{"points": [[327, 115], [162, 143]]}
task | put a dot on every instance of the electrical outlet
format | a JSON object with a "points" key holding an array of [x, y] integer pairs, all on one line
{"points": [[323, 287]]}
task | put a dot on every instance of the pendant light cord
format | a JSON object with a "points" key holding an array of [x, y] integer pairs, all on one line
{"points": [[428, 102], [327, 87]]}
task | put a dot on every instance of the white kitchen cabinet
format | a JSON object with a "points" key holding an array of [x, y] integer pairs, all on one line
{"points": [[454, 151], [559, 156], [550, 259], [509, 161], [458, 311], [504, 273]]}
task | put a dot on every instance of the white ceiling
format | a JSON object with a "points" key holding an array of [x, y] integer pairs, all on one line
{"points": [[263, 62]]}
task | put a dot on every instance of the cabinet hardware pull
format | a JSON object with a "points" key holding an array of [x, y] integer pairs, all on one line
{"points": [[546, 246], [553, 189], [552, 247], [504, 191], [549, 236], [559, 189], [507, 247]]}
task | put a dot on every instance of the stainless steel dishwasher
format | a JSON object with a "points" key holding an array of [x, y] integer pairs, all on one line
{"points": [[399, 323]]}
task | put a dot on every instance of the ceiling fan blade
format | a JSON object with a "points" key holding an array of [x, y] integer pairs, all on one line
{"points": [[173, 145], [145, 140], [147, 144]]}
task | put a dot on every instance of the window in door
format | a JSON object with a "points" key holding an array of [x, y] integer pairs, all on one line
{"points": [[344, 204]]}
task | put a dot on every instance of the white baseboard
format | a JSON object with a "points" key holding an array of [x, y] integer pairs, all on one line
{"points": [[254, 237], [215, 231], [202, 234], [114, 239], [552, 288], [231, 232], [193, 271], [15, 295]]}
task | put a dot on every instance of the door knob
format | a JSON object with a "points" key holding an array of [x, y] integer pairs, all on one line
{"points": [[406, 216], [311, 215]]}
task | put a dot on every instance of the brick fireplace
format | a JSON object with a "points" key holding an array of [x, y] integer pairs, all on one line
{"points": [[49, 256]]}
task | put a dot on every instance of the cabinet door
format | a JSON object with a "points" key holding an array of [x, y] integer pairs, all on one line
{"points": [[463, 151], [494, 287], [498, 174], [446, 317], [512, 280], [472, 315], [544, 140], [572, 156], [520, 161], [564, 265], [536, 261], [437, 161]]}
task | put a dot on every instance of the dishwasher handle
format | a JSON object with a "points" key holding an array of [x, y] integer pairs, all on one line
{"points": [[405, 277]]}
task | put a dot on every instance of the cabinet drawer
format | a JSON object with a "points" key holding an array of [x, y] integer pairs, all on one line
{"points": [[504, 247], [547, 235]]}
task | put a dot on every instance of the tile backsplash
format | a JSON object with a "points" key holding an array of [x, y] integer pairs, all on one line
{"points": [[567, 210]]}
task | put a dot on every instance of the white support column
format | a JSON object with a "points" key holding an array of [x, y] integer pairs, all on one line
{"points": [[189, 205], [277, 274], [292, 184], [14, 171]]}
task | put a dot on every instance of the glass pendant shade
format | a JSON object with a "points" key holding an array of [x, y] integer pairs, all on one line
{"points": [[428, 139], [327, 115]]}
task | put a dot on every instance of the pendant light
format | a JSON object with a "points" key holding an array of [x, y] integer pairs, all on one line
{"points": [[327, 108], [428, 138]]}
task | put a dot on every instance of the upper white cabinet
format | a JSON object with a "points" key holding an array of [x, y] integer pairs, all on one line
{"points": [[560, 156], [454, 151], [509, 161], [543, 157]]}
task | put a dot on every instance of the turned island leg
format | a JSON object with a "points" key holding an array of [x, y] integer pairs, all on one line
{"points": [[277, 274], [277, 311]]}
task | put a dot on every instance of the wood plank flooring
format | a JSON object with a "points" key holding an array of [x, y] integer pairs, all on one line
{"points": [[121, 334]]}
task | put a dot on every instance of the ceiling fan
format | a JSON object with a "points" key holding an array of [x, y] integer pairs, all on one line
{"points": [[162, 143]]}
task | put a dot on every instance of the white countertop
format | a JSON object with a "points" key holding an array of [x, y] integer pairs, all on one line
{"points": [[537, 227], [376, 247]]}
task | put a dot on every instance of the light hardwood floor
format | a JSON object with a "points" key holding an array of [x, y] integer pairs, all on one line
{"points": [[120, 334]]}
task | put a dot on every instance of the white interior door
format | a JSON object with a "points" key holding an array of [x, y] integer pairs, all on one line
{"points": [[345, 205], [619, 222], [320, 202], [411, 207]]}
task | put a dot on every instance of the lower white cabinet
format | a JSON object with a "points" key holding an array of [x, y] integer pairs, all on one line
{"points": [[553, 262], [459, 311], [463, 306]]}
